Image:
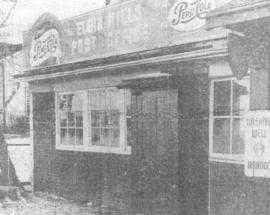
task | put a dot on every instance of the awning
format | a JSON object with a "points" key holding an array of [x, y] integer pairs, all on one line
{"points": [[238, 11]]}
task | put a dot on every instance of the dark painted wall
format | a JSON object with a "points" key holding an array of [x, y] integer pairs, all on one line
{"points": [[156, 153], [193, 143], [167, 172], [99, 178], [232, 193]]}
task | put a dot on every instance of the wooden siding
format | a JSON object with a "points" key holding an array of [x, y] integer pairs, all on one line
{"points": [[232, 193], [167, 172], [193, 142], [83, 176], [156, 153]]}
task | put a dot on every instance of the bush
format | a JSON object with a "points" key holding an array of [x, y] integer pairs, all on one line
{"points": [[17, 125]]}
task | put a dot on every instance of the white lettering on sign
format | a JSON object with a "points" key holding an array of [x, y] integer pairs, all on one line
{"points": [[257, 144], [187, 15], [45, 47], [117, 28], [89, 26], [124, 16]]}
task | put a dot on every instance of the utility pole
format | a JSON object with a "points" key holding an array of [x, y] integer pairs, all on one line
{"points": [[3, 94]]}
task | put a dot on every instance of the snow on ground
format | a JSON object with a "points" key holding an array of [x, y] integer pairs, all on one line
{"points": [[44, 204], [20, 153]]}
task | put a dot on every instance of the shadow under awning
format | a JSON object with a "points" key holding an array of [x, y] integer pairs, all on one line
{"points": [[154, 80]]}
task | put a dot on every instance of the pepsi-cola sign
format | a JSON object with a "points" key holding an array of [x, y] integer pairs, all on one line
{"points": [[46, 46], [188, 15]]}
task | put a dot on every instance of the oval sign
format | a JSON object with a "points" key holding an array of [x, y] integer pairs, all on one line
{"points": [[237, 56], [188, 15]]}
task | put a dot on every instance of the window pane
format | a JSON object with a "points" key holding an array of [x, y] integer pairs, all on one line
{"points": [[105, 137], [63, 136], [114, 118], [79, 119], [222, 98], [77, 102], [71, 137], [63, 118], [104, 119], [69, 99], [128, 116], [95, 121], [71, 119], [238, 136], [115, 137], [240, 96], [105, 108], [221, 138], [79, 136], [95, 132]]}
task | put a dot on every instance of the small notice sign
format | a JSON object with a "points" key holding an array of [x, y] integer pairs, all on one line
{"points": [[257, 144]]}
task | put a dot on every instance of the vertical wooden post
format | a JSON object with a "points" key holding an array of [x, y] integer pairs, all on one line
{"points": [[3, 94]]}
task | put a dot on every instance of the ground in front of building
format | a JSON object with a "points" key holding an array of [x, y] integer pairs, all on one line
{"points": [[45, 204]]}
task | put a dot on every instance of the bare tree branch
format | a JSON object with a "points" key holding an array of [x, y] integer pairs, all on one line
{"points": [[2, 24]]}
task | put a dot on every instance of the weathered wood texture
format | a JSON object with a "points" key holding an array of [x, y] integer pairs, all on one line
{"points": [[99, 178], [193, 143], [167, 172], [155, 176]]}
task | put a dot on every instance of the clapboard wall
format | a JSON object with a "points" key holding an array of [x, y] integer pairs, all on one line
{"points": [[167, 172]]}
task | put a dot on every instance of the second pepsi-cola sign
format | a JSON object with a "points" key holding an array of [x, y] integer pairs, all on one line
{"points": [[188, 15]]}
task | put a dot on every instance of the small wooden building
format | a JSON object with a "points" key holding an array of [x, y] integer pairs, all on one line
{"points": [[133, 106]]}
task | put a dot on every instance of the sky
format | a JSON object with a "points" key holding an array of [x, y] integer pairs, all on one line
{"points": [[26, 12]]}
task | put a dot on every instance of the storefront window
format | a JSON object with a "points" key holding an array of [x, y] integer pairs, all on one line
{"points": [[229, 103], [93, 120]]}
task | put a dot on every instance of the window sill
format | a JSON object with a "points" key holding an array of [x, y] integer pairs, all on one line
{"points": [[104, 150], [227, 160]]}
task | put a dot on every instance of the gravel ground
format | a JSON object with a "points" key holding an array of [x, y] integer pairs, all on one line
{"points": [[44, 204]]}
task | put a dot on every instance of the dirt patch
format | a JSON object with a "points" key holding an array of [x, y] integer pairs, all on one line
{"points": [[44, 204]]}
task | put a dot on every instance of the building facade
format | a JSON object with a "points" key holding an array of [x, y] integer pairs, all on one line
{"points": [[135, 108], [244, 185]]}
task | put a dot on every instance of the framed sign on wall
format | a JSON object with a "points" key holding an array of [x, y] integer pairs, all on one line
{"points": [[257, 144]]}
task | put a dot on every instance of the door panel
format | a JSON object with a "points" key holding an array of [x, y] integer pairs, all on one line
{"points": [[158, 151]]}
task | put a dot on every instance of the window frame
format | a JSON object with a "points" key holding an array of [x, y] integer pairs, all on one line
{"points": [[223, 157], [58, 127], [124, 148]]}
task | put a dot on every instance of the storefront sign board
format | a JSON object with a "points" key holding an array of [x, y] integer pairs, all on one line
{"points": [[257, 144], [133, 26]]}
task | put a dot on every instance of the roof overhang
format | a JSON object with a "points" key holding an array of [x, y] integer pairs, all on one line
{"points": [[231, 16], [188, 52]]}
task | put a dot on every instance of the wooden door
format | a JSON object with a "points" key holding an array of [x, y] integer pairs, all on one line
{"points": [[156, 152]]}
